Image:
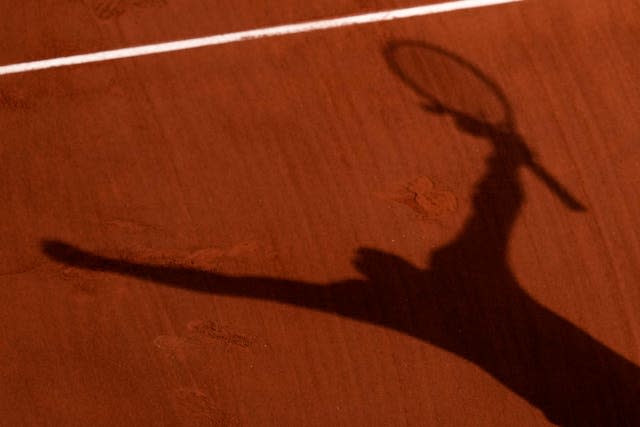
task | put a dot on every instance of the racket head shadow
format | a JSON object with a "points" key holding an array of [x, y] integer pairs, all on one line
{"points": [[449, 84]]}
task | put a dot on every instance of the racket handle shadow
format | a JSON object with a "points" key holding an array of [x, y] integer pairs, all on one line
{"points": [[557, 188]]}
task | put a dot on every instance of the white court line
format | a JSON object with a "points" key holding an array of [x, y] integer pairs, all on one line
{"points": [[259, 33]]}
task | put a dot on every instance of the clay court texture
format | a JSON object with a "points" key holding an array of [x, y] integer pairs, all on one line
{"points": [[328, 213]]}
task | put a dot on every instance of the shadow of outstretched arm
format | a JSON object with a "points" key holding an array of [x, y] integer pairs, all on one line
{"points": [[357, 299]]}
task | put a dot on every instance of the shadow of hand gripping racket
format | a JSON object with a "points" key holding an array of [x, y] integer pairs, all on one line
{"points": [[468, 302]]}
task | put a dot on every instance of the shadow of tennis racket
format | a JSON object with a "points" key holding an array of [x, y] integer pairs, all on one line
{"points": [[449, 85]]}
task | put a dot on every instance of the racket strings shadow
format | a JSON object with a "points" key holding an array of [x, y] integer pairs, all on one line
{"points": [[468, 302]]}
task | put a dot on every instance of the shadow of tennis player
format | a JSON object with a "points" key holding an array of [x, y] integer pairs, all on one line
{"points": [[468, 302]]}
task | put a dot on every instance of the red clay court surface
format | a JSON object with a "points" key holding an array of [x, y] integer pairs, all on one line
{"points": [[277, 233]]}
